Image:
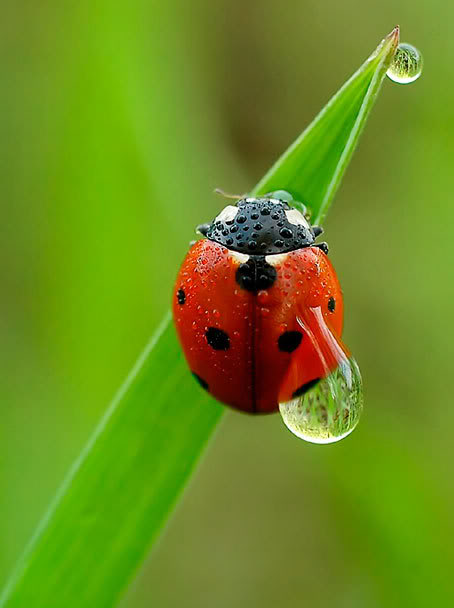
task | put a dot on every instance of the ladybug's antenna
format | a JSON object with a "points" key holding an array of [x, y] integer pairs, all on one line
{"points": [[227, 195]]}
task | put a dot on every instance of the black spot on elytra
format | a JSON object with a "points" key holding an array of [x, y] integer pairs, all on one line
{"points": [[289, 341], [217, 339], [255, 274], [305, 387], [181, 297], [331, 304], [201, 381]]}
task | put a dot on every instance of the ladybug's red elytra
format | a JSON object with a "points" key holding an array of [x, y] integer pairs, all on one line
{"points": [[258, 307]]}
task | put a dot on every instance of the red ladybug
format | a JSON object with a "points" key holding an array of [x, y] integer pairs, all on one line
{"points": [[258, 307]]}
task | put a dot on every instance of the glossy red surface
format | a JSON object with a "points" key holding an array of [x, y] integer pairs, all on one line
{"points": [[253, 374]]}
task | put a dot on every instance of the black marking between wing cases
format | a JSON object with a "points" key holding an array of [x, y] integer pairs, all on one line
{"points": [[255, 274]]}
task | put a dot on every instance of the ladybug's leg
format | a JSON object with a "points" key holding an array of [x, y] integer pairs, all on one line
{"points": [[323, 246], [203, 229], [318, 230]]}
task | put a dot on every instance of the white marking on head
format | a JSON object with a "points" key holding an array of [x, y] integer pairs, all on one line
{"points": [[228, 213], [276, 258], [241, 258], [296, 218]]}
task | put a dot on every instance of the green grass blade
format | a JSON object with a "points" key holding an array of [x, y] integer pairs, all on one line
{"points": [[112, 502], [118, 494], [313, 167]]}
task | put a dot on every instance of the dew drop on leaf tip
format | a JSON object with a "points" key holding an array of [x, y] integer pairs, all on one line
{"points": [[407, 64], [330, 410]]}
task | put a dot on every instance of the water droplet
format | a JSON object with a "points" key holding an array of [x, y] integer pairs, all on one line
{"points": [[262, 296], [407, 64], [330, 410], [282, 195], [286, 233]]}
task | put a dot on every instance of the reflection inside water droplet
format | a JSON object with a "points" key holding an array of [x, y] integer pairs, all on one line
{"points": [[330, 410], [407, 64]]}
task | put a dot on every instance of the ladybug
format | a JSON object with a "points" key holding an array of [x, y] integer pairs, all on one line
{"points": [[258, 307]]}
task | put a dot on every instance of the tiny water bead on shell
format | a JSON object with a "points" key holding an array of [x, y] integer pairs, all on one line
{"points": [[407, 64], [330, 410]]}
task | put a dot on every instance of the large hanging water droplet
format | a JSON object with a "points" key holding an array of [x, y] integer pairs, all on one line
{"points": [[407, 64], [330, 410]]}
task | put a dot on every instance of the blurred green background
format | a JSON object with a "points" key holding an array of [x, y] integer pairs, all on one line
{"points": [[117, 120]]}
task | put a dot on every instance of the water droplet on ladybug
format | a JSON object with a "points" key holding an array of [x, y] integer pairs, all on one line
{"points": [[407, 64], [286, 233], [262, 296], [331, 407]]}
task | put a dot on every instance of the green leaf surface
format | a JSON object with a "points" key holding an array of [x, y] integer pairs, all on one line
{"points": [[125, 482], [113, 501], [313, 167]]}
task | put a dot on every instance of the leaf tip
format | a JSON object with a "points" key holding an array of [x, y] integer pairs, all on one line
{"points": [[394, 36], [387, 47]]}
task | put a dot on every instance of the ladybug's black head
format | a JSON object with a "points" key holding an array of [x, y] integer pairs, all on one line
{"points": [[261, 226]]}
